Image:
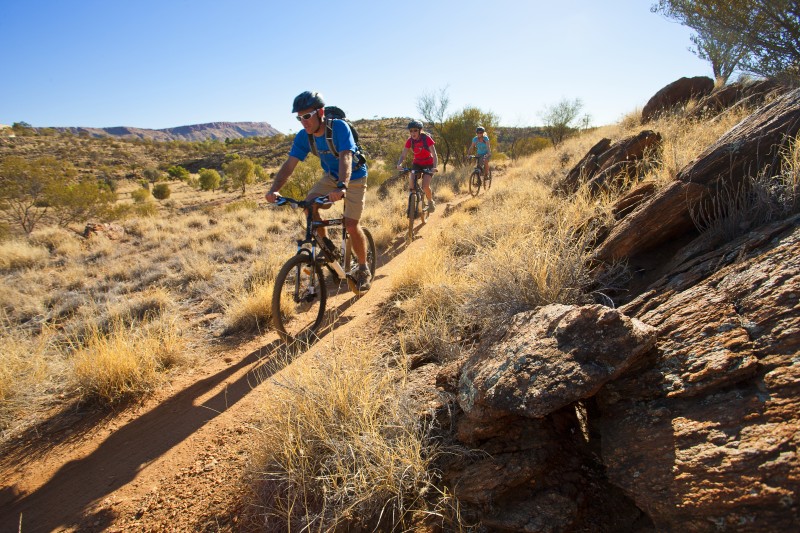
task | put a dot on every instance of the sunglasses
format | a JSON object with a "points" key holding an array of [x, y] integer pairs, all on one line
{"points": [[414, 130], [306, 116]]}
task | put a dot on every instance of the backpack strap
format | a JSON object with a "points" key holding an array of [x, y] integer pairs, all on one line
{"points": [[329, 137]]}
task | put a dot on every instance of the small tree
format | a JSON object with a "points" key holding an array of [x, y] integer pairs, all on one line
{"points": [[81, 201], [152, 174], [559, 118], [241, 172], [433, 108], [28, 188], [178, 172], [209, 179]]}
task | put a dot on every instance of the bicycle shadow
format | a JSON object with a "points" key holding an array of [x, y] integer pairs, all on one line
{"points": [[63, 500]]}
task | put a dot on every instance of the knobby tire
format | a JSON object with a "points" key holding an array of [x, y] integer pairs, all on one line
{"points": [[298, 321], [475, 183]]}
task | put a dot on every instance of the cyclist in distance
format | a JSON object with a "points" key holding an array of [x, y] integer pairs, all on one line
{"points": [[481, 143], [422, 146], [341, 175]]}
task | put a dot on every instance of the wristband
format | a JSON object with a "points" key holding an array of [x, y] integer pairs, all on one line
{"points": [[341, 185]]}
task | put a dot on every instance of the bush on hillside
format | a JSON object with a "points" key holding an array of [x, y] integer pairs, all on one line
{"points": [[161, 191]]}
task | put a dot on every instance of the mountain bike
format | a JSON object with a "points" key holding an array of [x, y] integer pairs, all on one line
{"points": [[477, 178], [300, 293], [417, 205]]}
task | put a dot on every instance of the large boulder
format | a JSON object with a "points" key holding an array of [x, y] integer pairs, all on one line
{"points": [[677, 93], [551, 358], [704, 435]]}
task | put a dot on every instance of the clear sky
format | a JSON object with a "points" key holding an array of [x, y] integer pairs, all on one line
{"points": [[166, 63]]}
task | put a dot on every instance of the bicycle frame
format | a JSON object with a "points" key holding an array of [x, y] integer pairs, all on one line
{"points": [[311, 238]]}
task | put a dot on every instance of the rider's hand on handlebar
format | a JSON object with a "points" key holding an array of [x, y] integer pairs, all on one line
{"points": [[272, 197], [400, 167], [336, 195]]}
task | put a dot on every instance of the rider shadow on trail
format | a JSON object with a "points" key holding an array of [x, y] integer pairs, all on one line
{"points": [[64, 499]]}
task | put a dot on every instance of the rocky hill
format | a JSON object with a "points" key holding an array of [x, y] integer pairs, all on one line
{"points": [[196, 132], [675, 409]]}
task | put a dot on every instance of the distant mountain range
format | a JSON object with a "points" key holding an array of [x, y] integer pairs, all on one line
{"points": [[197, 132]]}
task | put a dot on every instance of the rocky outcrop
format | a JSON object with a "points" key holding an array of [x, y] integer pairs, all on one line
{"points": [[677, 93], [680, 410], [749, 93], [607, 165], [753, 146], [704, 436]]}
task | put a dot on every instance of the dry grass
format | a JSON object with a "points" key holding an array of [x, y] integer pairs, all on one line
{"points": [[17, 254], [27, 369], [336, 448], [126, 362]]}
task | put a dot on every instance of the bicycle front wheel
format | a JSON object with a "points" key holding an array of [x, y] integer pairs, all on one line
{"points": [[475, 183], [298, 300], [422, 209], [412, 214]]}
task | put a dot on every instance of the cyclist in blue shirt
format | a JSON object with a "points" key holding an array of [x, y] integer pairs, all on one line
{"points": [[484, 151], [344, 173]]}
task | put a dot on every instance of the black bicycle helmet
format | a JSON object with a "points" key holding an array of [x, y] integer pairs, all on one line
{"points": [[414, 124], [307, 100], [480, 129]]}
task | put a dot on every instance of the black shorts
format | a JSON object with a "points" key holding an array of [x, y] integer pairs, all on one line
{"points": [[417, 166]]}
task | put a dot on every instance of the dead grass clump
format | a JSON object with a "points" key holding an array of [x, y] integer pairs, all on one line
{"points": [[25, 371], [126, 362], [17, 254], [58, 241], [335, 448], [250, 308]]}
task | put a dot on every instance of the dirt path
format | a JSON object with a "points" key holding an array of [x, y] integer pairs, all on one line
{"points": [[173, 463]]}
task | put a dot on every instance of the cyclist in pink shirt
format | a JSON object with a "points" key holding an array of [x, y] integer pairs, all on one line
{"points": [[422, 146]]}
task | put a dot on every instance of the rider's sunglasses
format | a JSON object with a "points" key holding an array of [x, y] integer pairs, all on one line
{"points": [[413, 130], [306, 116]]}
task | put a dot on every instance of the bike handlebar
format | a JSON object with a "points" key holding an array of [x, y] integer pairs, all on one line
{"points": [[430, 170], [320, 200]]}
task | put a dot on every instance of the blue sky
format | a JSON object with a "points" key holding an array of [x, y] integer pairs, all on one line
{"points": [[166, 63]]}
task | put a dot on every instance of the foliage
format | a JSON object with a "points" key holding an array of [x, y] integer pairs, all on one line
{"points": [[433, 108], [29, 188], [140, 195], [305, 174], [559, 119], [460, 129], [81, 201], [178, 172], [765, 32], [240, 172], [209, 179], [161, 191], [152, 174]]}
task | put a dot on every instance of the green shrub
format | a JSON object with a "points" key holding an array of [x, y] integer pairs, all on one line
{"points": [[140, 195], [178, 172], [209, 179], [161, 191]]}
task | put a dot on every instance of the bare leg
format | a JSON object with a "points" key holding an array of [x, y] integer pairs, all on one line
{"points": [[426, 185], [357, 239]]}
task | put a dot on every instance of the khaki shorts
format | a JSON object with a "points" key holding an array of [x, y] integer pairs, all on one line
{"points": [[353, 199]]}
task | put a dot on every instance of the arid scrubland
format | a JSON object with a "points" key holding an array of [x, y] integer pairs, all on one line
{"points": [[513, 248], [106, 320]]}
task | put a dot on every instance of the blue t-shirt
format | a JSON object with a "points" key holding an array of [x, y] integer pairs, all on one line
{"points": [[342, 140], [481, 147]]}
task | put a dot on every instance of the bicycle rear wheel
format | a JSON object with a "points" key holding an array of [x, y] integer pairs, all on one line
{"points": [[475, 183], [372, 255], [298, 300]]}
